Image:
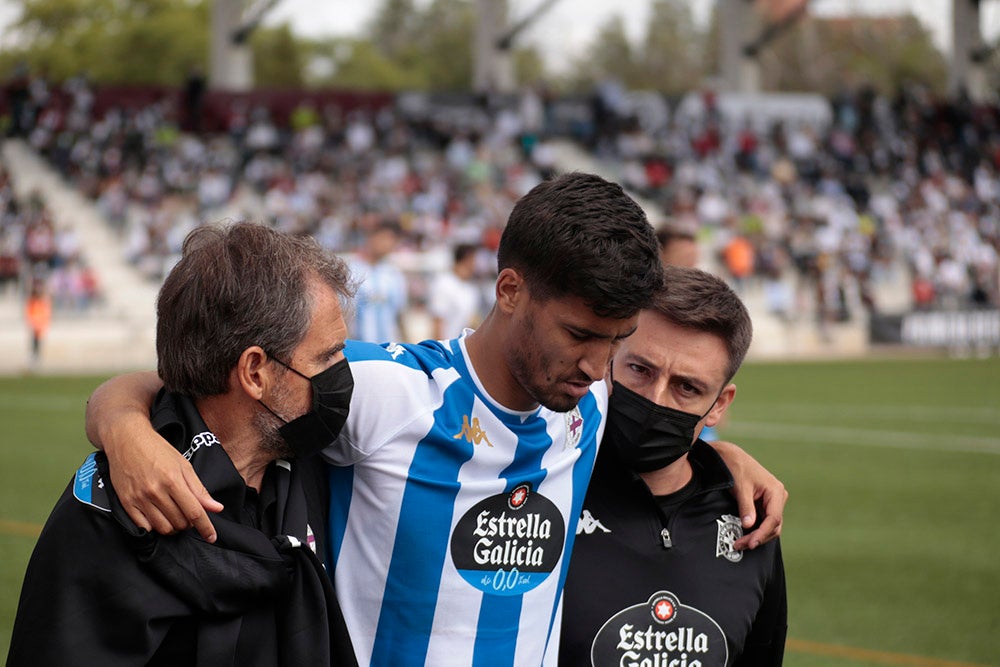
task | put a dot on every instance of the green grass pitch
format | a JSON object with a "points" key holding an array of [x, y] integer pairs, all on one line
{"points": [[890, 537]]}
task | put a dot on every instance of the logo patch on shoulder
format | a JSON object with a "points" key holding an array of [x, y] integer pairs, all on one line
{"points": [[574, 428], [203, 439], [730, 530], [88, 487]]}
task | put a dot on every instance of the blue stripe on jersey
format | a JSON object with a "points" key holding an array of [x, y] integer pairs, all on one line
{"points": [[427, 356], [414, 575], [500, 611], [497, 611], [341, 481], [582, 470]]}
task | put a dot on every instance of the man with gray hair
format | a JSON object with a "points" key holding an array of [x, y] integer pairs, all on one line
{"points": [[250, 337]]}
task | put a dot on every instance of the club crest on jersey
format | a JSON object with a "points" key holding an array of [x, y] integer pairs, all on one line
{"points": [[574, 428], [660, 632], [730, 530]]}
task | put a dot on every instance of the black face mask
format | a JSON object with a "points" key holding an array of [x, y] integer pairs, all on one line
{"points": [[331, 401], [648, 436]]}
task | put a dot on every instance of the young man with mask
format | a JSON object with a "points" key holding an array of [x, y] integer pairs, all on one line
{"points": [[659, 507], [463, 464], [247, 318]]}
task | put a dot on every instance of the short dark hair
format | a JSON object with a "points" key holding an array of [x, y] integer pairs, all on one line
{"points": [[581, 235], [463, 250], [237, 286], [668, 233], [388, 224], [694, 299]]}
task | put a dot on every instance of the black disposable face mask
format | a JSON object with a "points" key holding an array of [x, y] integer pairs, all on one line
{"points": [[648, 436], [331, 402]]}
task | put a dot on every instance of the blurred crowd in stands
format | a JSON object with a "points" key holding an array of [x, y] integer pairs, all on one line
{"points": [[39, 257], [817, 213], [837, 203]]}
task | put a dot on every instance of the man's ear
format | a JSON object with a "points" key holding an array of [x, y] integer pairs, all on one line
{"points": [[510, 290], [253, 374], [714, 415]]}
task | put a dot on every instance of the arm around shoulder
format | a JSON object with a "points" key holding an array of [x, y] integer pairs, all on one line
{"points": [[156, 485], [119, 407], [754, 485]]}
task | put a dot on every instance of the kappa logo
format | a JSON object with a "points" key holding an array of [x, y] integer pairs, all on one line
{"points": [[589, 525], [730, 530], [395, 350], [203, 439], [574, 428], [472, 432]]}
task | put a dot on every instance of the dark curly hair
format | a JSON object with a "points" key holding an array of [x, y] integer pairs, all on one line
{"points": [[581, 235], [234, 287]]}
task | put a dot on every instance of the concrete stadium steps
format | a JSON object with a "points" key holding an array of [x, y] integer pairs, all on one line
{"points": [[114, 335], [80, 345]]}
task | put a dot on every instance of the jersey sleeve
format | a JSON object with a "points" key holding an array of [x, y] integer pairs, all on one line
{"points": [[391, 389]]}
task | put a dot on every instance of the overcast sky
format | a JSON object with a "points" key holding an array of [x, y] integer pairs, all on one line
{"points": [[570, 24], [574, 21]]}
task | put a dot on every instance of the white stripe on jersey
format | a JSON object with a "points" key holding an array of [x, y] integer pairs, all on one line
{"points": [[434, 459]]}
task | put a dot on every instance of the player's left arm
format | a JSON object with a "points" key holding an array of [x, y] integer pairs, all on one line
{"points": [[755, 486]]}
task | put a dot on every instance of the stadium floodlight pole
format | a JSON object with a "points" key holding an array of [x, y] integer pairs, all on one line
{"points": [[984, 52], [775, 28], [254, 15], [506, 40], [230, 59], [493, 70], [969, 54]]}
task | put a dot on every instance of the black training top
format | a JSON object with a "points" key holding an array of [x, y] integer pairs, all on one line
{"points": [[655, 580], [100, 591]]}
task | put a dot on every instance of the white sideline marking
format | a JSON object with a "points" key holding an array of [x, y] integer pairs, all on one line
{"points": [[867, 437], [921, 413]]}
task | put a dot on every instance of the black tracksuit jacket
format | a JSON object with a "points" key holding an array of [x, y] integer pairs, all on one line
{"points": [[657, 590], [100, 591]]}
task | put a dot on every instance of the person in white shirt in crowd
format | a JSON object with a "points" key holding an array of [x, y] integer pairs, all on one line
{"points": [[454, 298]]}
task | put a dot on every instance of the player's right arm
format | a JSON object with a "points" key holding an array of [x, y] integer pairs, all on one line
{"points": [[156, 485]]}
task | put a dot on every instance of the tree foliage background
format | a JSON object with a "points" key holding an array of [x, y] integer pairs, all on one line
{"points": [[410, 45]]}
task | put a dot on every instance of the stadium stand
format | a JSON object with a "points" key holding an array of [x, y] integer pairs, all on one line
{"points": [[827, 221]]}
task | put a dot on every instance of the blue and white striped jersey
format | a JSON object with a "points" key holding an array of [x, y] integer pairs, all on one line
{"points": [[451, 515], [380, 299]]}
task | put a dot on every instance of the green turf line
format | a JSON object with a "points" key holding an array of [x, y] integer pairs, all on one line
{"points": [[19, 528], [866, 655]]}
